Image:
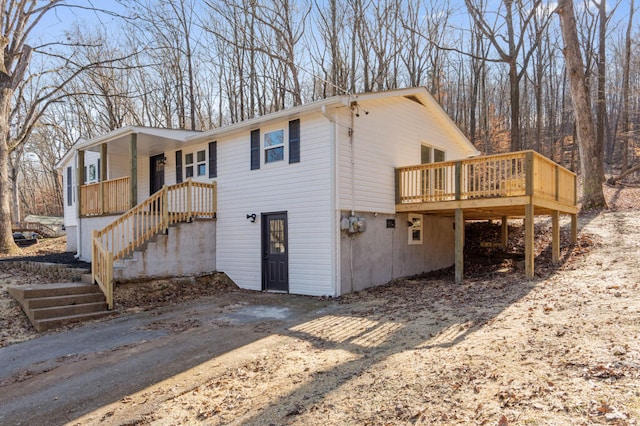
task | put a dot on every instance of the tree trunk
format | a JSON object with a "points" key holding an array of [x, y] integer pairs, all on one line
{"points": [[626, 129], [7, 245], [591, 153], [601, 102]]}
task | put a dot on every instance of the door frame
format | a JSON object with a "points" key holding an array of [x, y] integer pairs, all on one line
{"points": [[152, 172], [264, 241]]}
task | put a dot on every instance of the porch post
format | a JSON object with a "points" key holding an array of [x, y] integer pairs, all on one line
{"points": [[80, 181], [103, 162], [528, 241], [133, 170], [459, 246], [555, 236]]}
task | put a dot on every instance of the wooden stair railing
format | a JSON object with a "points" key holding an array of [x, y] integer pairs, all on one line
{"points": [[173, 204], [37, 227]]}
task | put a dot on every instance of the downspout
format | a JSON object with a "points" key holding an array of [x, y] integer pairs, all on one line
{"points": [[335, 234], [77, 208]]}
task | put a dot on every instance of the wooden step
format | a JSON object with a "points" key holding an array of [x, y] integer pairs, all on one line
{"points": [[52, 305], [52, 323], [49, 290], [67, 310], [67, 299]]}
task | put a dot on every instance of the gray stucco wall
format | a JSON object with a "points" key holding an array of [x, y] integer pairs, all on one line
{"points": [[88, 224], [188, 249], [72, 238], [381, 254]]}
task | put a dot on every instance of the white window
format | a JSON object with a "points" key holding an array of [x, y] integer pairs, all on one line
{"points": [[202, 163], [188, 162], [415, 228], [274, 146]]}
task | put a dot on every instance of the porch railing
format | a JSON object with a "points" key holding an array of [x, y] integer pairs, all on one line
{"points": [[503, 175], [182, 202], [106, 197]]}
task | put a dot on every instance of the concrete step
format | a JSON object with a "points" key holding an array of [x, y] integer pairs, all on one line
{"points": [[48, 290], [86, 278], [52, 323], [67, 310], [65, 300]]}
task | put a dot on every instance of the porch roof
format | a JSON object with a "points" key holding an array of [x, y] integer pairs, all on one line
{"points": [[150, 140]]}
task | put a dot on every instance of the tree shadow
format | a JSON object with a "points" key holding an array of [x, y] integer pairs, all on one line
{"points": [[447, 316]]}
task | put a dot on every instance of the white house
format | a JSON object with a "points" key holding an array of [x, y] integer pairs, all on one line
{"points": [[305, 198]]}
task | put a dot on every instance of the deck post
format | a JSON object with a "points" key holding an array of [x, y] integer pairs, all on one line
{"points": [[555, 236], [189, 202], [459, 246], [504, 232], [528, 241], [574, 229], [165, 210], [528, 170]]}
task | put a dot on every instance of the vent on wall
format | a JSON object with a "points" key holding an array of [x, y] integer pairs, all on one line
{"points": [[415, 99]]}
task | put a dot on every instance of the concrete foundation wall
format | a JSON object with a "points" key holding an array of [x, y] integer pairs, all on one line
{"points": [[188, 249], [381, 254], [72, 238], [87, 225]]}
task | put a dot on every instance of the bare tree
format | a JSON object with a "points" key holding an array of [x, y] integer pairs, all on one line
{"points": [[19, 18], [591, 153], [511, 47]]}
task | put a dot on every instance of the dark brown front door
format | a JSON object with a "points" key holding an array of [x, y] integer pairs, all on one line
{"points": [[157, 173], [275, 264]]}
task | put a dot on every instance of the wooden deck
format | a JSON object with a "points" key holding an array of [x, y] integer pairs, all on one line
{"points": [[521, 184]]}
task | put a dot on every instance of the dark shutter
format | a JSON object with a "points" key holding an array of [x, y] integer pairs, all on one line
{"points": [[179, 166], [213, 159], [255, 149], [69, 186], [294, 141], [98, 172]]}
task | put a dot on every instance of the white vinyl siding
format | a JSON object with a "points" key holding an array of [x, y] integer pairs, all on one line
{"points": [[302, 189], [390, 136]]}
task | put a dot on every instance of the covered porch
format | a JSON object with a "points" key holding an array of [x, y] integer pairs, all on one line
{"points": [[515, 185], [130, 168]]}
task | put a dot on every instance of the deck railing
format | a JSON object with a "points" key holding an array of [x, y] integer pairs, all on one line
{"points": [[504, 175], [106, 197], [172, 204]]}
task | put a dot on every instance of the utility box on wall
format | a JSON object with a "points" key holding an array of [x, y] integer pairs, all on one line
{"points": [[353, 224]]}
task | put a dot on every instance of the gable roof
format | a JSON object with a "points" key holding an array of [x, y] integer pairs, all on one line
{"points": [[417, 94], [178, 137]]}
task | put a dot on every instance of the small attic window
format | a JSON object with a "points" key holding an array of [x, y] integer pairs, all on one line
{"points": [[415, 99]]}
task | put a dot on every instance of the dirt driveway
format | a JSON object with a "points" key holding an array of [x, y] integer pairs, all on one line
{"points": [[498, 350]]}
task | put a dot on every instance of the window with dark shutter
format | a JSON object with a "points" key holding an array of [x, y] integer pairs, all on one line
{"points": [[179, 166], [255, 149], [294, 141], [69, 186], [213, 159]]}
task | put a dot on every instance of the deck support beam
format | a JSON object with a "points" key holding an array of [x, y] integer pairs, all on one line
{"points": [[504, 232], [555, 237], [574, 228], [528, 241], [459, 245]]}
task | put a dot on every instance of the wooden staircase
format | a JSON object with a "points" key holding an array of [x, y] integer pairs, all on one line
{"points": [[50, 306]]}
